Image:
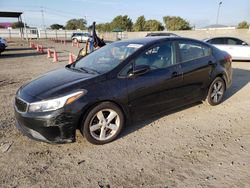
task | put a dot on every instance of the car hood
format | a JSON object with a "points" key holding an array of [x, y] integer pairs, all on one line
{"points": [[56, 83]]}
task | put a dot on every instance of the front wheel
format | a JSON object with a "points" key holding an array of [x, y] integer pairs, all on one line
{"points": [[103, 123], [216, 91]]}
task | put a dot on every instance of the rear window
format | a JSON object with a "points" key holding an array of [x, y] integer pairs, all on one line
{"points": [[190, 50]]}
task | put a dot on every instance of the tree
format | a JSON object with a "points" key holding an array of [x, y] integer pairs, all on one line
{"points": [[140, 24], [74, 24], [243, 25], [56, 26], [122, 22], [176, 23], [18, 25], [153, 25], [103, 27]]}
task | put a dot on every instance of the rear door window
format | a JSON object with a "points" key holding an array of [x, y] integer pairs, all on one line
{"points": [[158, 57], [233, 41], [217, 41], [191, 50]]}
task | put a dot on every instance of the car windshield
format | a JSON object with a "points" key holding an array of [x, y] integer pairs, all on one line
{"points": [[107, 57]]}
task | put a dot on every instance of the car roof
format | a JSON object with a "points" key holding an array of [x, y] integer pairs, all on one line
{"points": [[155, 39], [160, 34], [222, 37], [147, 40], [80, 32]]}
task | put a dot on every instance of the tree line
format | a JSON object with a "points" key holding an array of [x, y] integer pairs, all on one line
{"points": [[124, 23]]}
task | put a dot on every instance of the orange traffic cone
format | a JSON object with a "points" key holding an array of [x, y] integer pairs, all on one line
{"points": [[71, 58], [30, 44], [49, 53], [55, 59], [41, 49], [37, 48], [77, 44]]}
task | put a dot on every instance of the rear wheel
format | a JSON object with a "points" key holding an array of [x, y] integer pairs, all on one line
{"points": [[103, 123], [216, 91]]}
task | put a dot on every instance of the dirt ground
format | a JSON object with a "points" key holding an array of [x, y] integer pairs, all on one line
{"points": [[196, 146]]}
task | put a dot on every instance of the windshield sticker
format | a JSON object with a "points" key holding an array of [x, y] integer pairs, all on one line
{"points": [[134, 45]]}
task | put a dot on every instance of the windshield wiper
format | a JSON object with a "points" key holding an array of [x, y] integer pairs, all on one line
{"points": [[89, 70], [85, 69], [74, 68]]}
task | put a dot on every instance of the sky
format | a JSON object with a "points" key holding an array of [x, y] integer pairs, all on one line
{"points": [[198, 13]]}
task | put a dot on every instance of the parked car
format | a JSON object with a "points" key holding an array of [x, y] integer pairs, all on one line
{"points": [[157, 34], [2, 47], [123, 81], [80, 37], [237, 48], [3, 44], [3, 41]]}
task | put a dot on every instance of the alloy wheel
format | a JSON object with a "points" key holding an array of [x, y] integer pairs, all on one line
{"points": [[217, 91], [104, 124]]}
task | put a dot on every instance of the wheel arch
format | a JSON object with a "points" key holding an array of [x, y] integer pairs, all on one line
{"points": [[224, 78], [220, 75]]}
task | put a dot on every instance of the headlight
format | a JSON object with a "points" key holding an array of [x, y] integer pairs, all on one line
{"points": [[54, 104]]}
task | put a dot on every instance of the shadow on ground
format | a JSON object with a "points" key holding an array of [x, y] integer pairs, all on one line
{"points": [[241, 78], [17, 49], [20, 55]]}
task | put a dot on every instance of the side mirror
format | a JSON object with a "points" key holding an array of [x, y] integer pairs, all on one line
{"points": [[244, 44], [139, 70]]}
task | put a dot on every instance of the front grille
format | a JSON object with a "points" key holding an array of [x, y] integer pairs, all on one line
{"points": [[21, 105]]}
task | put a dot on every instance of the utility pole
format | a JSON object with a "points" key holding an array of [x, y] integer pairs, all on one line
{"points": [[85, 18], [44, 26], [25, 28], [217, 19]]}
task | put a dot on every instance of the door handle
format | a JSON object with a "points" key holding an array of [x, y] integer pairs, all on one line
{"points": [[174, 74]]}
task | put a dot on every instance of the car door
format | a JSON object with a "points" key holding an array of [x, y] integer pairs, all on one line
{"points": [[157, 89], [229, 46], [237, 49], [81, 37], [84, 37], [221, 43], [197, 64]]}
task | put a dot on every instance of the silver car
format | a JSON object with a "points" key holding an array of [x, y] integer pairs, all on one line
{"points": [[3, 41], [80, 37], [237, 48]]}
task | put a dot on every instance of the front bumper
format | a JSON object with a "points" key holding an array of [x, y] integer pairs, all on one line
{"points": [[53, 127]]}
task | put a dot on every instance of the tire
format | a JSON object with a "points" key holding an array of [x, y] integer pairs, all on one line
{"points": [[216, 91], [103, 123]]}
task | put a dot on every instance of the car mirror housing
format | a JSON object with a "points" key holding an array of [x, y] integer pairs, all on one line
{"points": [[139, 70], [244, 44]]}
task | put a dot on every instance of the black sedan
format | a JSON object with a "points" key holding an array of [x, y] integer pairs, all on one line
{"points": [[131, 79]]}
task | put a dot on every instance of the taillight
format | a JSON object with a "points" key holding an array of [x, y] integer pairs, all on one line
{"points": [[228, 58]]}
